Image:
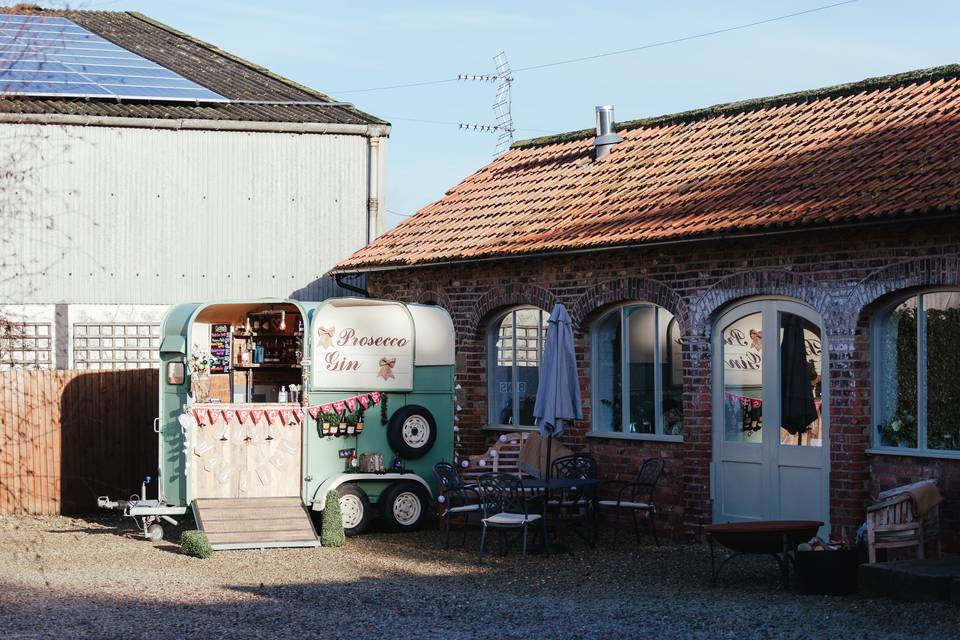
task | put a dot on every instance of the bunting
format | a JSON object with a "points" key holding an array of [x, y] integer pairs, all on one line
{"points": [[212, 415]]}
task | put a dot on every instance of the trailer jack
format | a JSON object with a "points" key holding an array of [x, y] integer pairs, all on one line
{"points": [[146, 514]]}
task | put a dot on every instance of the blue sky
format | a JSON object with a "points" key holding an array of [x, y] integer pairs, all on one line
{"points": [[337, 47]]}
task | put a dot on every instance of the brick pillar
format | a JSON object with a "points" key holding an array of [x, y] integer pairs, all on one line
{"points": [[697, 454], [849, 432]]}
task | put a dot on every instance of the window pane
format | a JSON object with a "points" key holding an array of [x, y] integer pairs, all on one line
{"points": [[897, 375], [671, 355], [942, 311], [743, 379], [641, 329], [608, 402], [529, 328], [501, 396], [800, 386]]}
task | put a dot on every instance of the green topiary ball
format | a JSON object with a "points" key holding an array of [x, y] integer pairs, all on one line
{"points": [[194, 543], [331, 531]]}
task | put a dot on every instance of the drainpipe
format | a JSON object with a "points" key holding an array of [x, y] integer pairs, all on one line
{"points": [[338, 277]]}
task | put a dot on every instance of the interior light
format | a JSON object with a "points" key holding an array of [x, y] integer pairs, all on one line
{"points": [[283, 321]]}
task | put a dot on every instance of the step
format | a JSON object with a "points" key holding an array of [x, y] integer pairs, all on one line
{"points": [[248, 523], [910, 580]]}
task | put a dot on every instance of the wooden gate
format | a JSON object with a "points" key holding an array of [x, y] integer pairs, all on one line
{"points": [[68, 436]]}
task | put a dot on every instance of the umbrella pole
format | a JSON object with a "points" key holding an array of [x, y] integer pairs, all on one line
{"points": [[549, 446]]}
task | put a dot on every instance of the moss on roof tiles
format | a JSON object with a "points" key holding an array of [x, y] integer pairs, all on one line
{"points": [[742, 106]]}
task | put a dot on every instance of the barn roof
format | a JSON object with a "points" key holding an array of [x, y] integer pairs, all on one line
{"points": [[203, 63]]}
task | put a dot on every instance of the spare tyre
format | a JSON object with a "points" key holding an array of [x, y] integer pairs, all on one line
{"points": [[412, 431]]}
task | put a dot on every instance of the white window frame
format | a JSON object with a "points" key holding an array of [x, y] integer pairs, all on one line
{"points": [[25, 343], [876, 336], [152, 336], [595, 431], [493, 335]]}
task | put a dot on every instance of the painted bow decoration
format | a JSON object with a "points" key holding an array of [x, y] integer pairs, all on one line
{"points": [[386, 368], [325, 336]]}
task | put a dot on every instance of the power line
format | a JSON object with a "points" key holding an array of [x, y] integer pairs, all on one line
{"points": [[457, 124], [685, 38], [651, 45], [402, 215]]}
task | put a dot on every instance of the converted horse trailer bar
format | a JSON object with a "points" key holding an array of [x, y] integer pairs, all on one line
{"points": [[248, 392]]}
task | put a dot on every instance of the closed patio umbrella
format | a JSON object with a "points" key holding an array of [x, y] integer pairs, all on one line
{"points": [[558, 396], [797, 407]]}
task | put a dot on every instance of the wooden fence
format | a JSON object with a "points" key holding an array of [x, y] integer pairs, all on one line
{"points": [[68, 436]]}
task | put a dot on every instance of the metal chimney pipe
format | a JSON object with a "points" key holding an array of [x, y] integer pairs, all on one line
{"points": [[606, 132]]}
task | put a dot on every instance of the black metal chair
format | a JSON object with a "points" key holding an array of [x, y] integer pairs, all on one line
{"points": [[459, 499], [504, 506], [576, 503], [637, 497]]}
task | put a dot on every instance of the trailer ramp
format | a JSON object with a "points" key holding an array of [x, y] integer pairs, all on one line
{"points": [[255, 523]]}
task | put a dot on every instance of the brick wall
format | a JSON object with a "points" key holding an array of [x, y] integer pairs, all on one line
{"points": [[840, 273]]}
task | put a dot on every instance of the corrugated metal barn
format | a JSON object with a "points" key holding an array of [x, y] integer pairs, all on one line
{"points": [[218, 179]]}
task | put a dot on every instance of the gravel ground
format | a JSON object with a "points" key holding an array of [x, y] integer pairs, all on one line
{"points": [[84, 578]]}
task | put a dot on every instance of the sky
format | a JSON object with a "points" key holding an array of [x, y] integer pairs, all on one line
{"points": [[341, 47]]}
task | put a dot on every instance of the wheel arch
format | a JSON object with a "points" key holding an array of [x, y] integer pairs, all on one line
{"points": [[331, 484]]}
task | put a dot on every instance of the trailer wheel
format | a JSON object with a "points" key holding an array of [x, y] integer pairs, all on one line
{"points": [[412, 431], [354, 509], [405, 506], [154, 532]]}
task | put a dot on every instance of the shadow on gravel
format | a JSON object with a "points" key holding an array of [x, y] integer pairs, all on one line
{"points": [[496, 604]]}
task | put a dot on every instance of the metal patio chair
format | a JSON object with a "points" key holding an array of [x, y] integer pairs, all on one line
{"points": [[574, 504], [504, 506], [636, 497], [459, 499]]}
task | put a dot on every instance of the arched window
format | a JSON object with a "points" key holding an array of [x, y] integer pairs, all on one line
{"points": [[515, 349], [637, 384], [916, 386]]}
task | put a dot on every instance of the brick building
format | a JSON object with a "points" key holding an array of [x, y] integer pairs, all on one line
{"points": [[827, 218]]}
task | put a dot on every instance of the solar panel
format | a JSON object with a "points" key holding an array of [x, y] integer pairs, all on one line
{"points": [[45, 56]]}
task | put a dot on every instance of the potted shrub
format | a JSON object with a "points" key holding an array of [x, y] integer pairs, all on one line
{"points": [[351, 423], [195, 543], [331, 528]]}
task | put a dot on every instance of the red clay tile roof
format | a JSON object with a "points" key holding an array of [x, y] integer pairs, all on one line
{"points": [[879, 148]]}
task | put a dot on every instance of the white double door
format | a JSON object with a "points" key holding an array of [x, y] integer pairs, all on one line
{"points": [[770, 458]]}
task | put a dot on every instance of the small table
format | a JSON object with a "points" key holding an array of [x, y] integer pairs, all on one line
{"points": [[559, 484], [545, 486], [777, 538]]}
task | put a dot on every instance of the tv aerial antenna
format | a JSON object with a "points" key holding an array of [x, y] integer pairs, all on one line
{"points": [[502, 106]]}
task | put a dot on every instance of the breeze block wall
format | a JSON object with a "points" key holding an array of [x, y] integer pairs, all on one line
{"points": [[841, 272]]}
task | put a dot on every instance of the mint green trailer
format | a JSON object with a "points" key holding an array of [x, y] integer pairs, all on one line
{"points": [[215, 445]]}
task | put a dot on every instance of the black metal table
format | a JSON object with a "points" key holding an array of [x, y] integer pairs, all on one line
{"points": [[544, 487]]}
